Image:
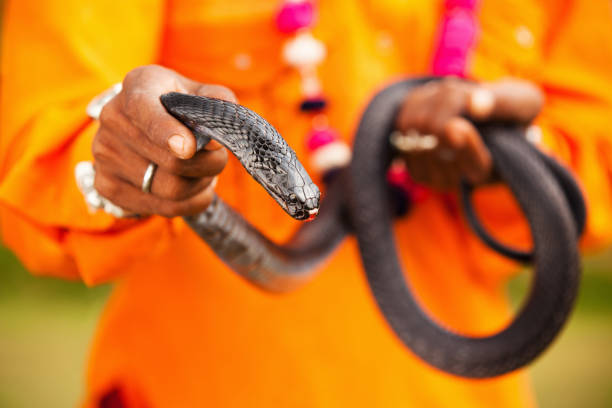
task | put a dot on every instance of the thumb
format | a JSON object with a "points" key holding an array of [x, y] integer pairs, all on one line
{"points": [[507, 99]]}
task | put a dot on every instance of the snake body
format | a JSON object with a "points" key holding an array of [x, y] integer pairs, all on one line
{"points": [[358, 201], [272, 162]]}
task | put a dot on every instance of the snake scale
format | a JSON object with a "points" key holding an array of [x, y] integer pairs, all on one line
{"points": [[358, 201]]}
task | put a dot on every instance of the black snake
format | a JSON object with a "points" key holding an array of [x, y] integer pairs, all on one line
{"points": [[358, 202]]}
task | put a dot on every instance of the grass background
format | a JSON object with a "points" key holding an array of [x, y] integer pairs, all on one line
{"points": [[46, 326]]}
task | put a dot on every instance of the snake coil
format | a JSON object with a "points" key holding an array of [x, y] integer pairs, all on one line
{"points": [[358, 201]]}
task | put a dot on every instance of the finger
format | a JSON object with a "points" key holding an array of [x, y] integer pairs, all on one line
{"points": [[474, 159], [450, 103], [414, 111], [452, 172], [508, 100], [135, 201], [116, 130], [448, 164], [447, 173], [140, 103], [416, 166], [131, 167], [434, 175]]}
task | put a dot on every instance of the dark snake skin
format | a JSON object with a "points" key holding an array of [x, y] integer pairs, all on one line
{"points": [[358, 201]]}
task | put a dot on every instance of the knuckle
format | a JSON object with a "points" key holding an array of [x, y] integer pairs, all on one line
{"points": [[135, 76], [101, 148], [133, 101], [132, 79], [108, 113], [98, 149]]}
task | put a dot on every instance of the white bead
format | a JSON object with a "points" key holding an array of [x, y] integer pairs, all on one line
{"points": [[88, 181], [113, 209], [304, 49], [333, 155], [84, 174], [524, 36], [94, 200], [534, 134]]}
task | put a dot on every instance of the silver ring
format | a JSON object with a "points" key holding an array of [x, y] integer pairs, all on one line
{"points": [[147, 180], [412, 141]]}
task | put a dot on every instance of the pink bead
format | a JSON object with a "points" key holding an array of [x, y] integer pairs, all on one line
{"points": [[457, 36], [465, 4], [450, 66], [320, 137], [295, 15]]}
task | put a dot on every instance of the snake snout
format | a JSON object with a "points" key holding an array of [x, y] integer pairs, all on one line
{"points": [[303, 202]]}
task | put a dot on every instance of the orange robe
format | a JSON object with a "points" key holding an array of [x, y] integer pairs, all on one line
{"points": [[180, 329]]}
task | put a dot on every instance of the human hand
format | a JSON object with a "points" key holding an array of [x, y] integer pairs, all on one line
{"points": [[456, 151], [135, 131]]}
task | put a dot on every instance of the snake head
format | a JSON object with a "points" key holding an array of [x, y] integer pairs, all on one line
{"points": [[291, 187], [303, 200], [262, 151]]}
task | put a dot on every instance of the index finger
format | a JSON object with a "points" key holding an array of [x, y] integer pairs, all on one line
{"points": [[140, 103]]}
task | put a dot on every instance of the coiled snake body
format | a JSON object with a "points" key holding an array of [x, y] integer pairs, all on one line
{"points": [[358, 201]]}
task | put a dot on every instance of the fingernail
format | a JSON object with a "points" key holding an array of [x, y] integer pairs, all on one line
{"points": [[213, 183], [177, 144], [482, 102]]}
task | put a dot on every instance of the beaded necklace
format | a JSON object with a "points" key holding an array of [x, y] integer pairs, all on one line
{"points": [[305, 53], [456, 37]]}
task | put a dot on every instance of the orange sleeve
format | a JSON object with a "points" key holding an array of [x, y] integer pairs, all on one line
{"points": [[57, 55], [576, 120], [572, 63]]}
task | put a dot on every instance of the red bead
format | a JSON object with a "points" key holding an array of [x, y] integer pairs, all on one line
{"points": [[399, 178]]}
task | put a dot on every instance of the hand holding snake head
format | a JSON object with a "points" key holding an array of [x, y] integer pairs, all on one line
{"points": [[439, 113], [136, 131], [259, 147]]}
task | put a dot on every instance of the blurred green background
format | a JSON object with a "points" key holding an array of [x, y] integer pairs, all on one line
{"points": [[46, 326]]}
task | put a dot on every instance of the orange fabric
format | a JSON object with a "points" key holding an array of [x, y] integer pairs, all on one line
{"points": [[180, 330]]}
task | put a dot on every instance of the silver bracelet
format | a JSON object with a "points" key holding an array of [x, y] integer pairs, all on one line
{"points": [[84, 171]]}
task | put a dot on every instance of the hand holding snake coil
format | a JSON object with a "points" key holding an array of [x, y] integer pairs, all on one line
{"points": [[544, 195]]}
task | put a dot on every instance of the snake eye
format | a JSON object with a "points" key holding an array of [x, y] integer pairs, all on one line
{"points": [[292, 197]]}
